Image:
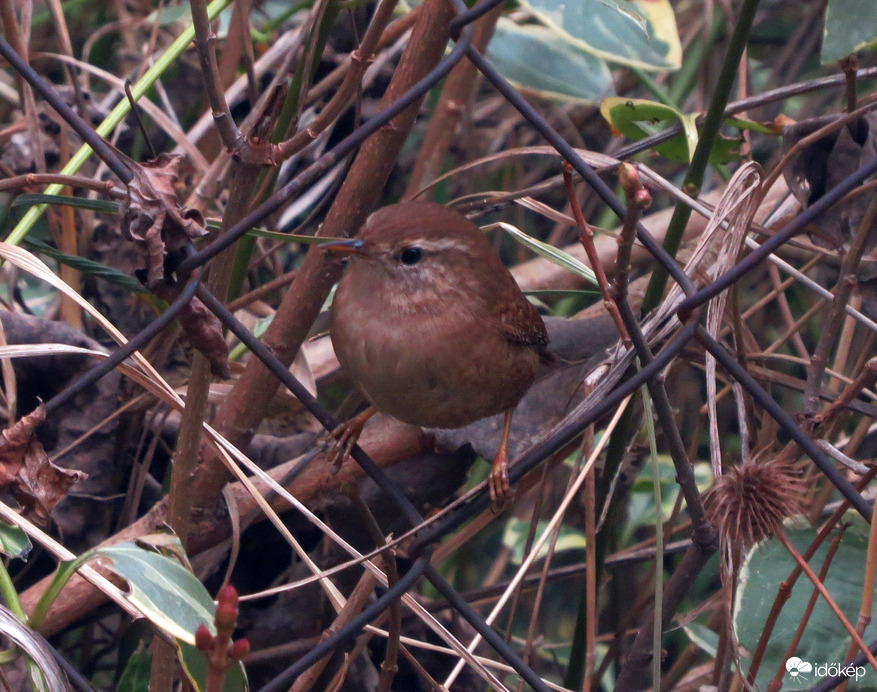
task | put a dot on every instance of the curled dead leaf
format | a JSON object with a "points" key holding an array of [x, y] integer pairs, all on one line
{"points": [[26, 471], [152, 217], [822, 164]]}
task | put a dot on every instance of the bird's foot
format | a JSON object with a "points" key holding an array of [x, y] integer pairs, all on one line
{"points": [[498, 481], [346, 436]]}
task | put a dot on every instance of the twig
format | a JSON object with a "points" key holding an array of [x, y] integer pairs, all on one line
{"points": [[355, 603], [454, 101], [793, 551], [105, 187], [204, 39], [845, 285], [638, 198], [360, 59], [850, 65], [777, 681], [394, 629], [586, 236]]}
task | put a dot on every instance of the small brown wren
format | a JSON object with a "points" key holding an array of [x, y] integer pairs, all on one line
{"points": [[431, 326]]}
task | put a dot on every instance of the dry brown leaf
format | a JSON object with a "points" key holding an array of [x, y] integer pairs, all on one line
{"points": [[152, 217], [823, 164], [203, 329], [14, 443], [26, 471]]}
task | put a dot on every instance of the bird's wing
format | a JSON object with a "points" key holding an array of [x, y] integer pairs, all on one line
{"points": [[520, 321]]}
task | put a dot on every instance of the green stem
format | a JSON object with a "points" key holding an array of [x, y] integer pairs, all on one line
{"points": [[696, 171], [10, 595], [115, 117]]}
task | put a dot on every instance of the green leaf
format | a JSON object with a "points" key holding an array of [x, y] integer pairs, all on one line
{"points": [[195, 667], [549, 252], [86, 266], [100, 205], [14, 542], [544, 60], [167, 594], [637, 119], [850, 26], [639, 33], [135, 677], [825, 641]]}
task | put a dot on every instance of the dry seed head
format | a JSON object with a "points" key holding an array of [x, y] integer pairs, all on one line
{"points": [[750, 501]]}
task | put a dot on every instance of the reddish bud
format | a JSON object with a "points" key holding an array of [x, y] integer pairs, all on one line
{"points": [[628, 178], [228, 594], [642, 198], [203, 638], [226, 616], [239, 650]]}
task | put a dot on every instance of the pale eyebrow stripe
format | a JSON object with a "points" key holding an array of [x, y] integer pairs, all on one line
{"points": [[440, 244]]}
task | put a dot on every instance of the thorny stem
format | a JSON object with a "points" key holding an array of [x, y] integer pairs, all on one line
{"points": [[586, 237]]}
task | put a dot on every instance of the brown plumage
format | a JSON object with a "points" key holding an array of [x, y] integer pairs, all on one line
{"points": [[430, 324]]}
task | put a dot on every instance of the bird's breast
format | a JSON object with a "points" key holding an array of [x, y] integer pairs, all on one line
{"points": [[441, 369]]}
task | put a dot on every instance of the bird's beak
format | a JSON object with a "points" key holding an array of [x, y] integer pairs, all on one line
{"points": [[354, 246]]}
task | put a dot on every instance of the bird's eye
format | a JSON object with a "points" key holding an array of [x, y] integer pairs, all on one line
{"points": [[411, 255]]}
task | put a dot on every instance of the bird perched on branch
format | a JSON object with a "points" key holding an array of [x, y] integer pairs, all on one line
{"points": [[432, 328]]}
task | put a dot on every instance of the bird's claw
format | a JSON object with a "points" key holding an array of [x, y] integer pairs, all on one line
{"points": [[346, 436], [498, 483]]}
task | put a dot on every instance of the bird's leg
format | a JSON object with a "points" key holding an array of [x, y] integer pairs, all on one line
{"points": [[346, 436], [498, 480]]}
